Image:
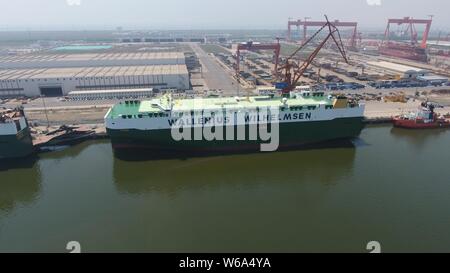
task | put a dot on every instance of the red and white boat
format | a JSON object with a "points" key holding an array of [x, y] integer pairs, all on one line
{"points": [[424, 118]]}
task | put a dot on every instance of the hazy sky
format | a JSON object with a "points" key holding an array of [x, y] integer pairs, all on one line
{"points": [[208, 14]]}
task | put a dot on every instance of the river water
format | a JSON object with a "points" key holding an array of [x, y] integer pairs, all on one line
{"points": [[390, 186]]}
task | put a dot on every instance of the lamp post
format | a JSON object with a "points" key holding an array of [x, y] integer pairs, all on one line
{"points": [[45, 111]]}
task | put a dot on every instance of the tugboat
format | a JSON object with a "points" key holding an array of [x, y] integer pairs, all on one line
{"points": [[424, 118]]}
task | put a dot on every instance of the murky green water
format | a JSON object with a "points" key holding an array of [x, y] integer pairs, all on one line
{"points": [[393, 187]]}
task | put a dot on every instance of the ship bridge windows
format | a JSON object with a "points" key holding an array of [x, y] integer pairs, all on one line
{"points": [[312, 107], [296, 108], [156, 115], [328, 106], [318, 94]]}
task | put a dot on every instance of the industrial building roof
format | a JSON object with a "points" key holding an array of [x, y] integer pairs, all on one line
{"points": [[398, 67], [84, 72], [91, 57]]}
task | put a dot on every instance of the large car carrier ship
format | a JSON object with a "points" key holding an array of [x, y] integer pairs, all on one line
{"points": [[305, 117]]}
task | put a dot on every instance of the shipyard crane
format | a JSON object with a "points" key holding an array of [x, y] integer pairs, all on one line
{"points": [[413, 50], [251, 46], [305, 24], [291, 72], [410, 22]]}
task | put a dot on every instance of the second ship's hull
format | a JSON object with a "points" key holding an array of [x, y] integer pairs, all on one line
{"points": [[414, 124], [291, 135], [405, 52], [16, 146]]}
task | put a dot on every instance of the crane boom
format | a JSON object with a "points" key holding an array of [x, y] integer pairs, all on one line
{"points": [[292, 72]]}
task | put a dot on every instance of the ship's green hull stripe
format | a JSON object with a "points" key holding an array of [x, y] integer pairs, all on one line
{"points": [[14, 146], [291, 134]]}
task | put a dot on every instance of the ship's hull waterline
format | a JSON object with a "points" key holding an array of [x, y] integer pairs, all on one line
{"points": [[291, 135]]}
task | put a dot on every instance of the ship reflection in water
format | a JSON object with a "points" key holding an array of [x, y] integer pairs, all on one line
{"points": [[137, 173], [20, 183], [418, 137]]}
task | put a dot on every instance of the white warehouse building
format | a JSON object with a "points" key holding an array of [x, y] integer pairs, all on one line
{"points": [[400, 70], [60, 81]]}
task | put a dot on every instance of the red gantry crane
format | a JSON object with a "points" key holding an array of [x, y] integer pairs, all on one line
{"points": [[337, 23], [251, 46], [414, 50], [291, 72]]}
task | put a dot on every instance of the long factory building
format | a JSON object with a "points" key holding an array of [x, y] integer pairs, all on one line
{"points": [[58, 74], [61, 81]]}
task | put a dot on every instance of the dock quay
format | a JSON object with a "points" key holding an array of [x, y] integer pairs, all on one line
{"points": [[378, 120], [46, 138]]}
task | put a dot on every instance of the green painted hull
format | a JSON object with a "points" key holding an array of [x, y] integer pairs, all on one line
{"points": [[16, 146], [291, 135]]}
